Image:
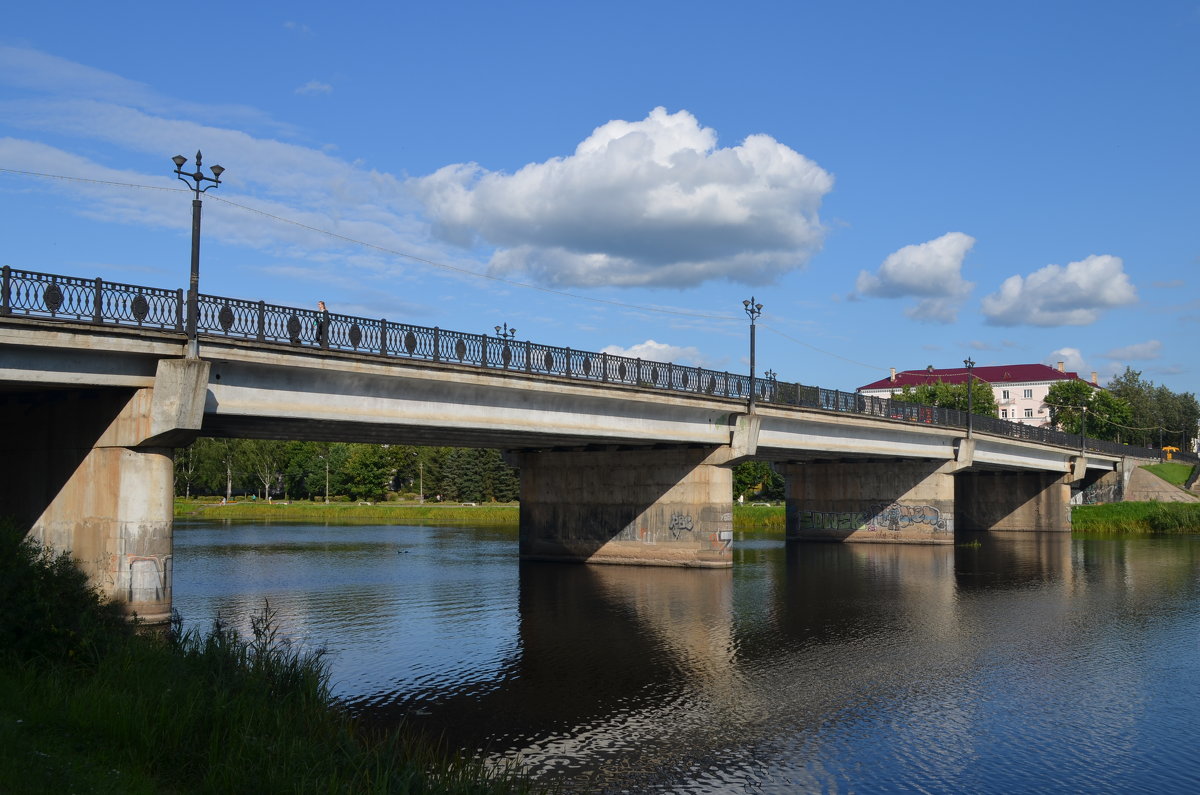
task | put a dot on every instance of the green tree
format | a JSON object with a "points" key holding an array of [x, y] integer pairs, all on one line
{"points": [[368, 472], [1076, 406], [264, 460], [953, 396], [1157, 414], [187, 470], [502, 483], [757, 479]]}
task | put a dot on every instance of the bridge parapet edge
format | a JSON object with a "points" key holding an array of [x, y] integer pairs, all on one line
{"points": [[97, 302]]}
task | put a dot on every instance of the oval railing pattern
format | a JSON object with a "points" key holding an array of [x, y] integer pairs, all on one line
{"points": [[96, 301]]}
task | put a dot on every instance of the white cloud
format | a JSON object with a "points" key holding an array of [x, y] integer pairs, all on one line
{"points": [[1072, 357], [1151, 349], [931, 271], [657, 352], [651, 202], [315, 87], [1058, 296]]}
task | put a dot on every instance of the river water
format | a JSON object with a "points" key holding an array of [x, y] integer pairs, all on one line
{"points": [[1028, 662]]}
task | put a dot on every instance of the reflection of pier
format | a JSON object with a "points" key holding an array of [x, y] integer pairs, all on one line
{"points": [[629, 677]]}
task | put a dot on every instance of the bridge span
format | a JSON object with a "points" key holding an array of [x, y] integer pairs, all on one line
{"points": [[621, 460]]}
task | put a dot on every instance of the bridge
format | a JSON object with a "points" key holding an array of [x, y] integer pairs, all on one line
{"points": [[621, 460]]}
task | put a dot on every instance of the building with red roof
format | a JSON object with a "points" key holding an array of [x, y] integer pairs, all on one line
{"points": [[1020, 389]]}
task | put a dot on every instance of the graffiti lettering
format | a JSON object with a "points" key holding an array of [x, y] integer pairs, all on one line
{"points": [[680, 523], [896, 517], [881, 516]]}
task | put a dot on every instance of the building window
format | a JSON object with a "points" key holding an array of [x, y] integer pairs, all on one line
{"points": [[1004, 395], [1028, 412], [1003, 414], [1028, 393]]}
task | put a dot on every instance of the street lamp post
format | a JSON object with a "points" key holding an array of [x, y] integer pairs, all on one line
{"points": [[420, 476], [970, 394], [507, 334], [1083, 431], [195, 180], [771, 377], [754, 310]]}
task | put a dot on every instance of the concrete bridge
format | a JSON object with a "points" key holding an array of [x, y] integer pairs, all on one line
{"points": [[621, 460]]}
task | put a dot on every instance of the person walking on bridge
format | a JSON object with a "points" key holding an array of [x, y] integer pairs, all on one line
{"points": [[322, 324]]}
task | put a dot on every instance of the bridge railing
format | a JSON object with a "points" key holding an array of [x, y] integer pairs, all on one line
{"points": [[31, 294]]}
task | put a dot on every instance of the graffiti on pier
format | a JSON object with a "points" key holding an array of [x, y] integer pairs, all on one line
{"points": [[680, 523], [897, 517], [881, 516]]}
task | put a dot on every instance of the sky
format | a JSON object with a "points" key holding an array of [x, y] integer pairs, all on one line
{"points": [[898, 184]]}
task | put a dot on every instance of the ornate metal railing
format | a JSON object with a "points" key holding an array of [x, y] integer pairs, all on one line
{"points": [[26, 293]]}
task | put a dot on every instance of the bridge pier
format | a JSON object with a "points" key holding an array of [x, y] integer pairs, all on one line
{"points": [[895, 501], [649, 507], [90, 471], [1014, 501]]}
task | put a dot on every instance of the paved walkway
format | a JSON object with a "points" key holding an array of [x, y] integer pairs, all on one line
{"points": [[1144, 486]]}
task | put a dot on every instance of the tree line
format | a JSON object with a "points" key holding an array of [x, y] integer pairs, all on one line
{"points": [[336, 470]]}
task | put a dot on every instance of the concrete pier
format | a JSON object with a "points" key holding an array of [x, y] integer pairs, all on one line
{"points": [[1014, 501], [91, 471], [870, 501], [653, 507]]}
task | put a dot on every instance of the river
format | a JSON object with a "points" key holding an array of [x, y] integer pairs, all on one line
{"points": [[1027, 662]]}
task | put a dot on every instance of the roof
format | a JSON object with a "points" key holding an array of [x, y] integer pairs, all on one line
{"points": [[997, 374]]}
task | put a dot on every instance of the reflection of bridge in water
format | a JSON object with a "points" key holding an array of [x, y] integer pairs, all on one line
{"points": [[622, 461], [629, 677]]}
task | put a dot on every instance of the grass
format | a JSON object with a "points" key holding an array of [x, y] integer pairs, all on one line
{"points": [[1174, 473], [759, 520], [384, 512], [767, 520], [89, 705], [1137, 518]]}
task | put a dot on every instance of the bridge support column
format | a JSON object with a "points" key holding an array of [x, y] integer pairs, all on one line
{"points": [[1038, 501], [91, 472], [890, 501], [671, 507]]}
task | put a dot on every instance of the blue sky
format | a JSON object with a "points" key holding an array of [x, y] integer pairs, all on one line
{"points": [[899, 184]]}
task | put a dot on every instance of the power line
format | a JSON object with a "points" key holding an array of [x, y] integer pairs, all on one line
{"points": [[434, 263], [386, 250], [818, 350]]}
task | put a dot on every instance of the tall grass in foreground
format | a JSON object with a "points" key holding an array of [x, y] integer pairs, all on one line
{"points": [[1137, 518], [94, 707]]}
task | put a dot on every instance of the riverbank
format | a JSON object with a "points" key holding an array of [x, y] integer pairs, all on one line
{"points": [[383, 512], [1137, 518], [88, 705], [760, 521], [767, 520]]}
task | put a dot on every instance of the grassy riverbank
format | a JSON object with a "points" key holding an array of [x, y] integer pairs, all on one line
{"points": [[759, 519], [1137, 518], [383, 512], [1173, 472], [87, 705]]}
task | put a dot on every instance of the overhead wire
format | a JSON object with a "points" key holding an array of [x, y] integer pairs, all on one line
{"points": [[384, 249], [436, 264]]}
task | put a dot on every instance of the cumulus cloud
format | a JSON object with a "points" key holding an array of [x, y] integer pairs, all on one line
{"points": [[657, 352], [1150, 349], [1057, 296], [650, 202], [931, 271], [315, 87], [1073, 358]]}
